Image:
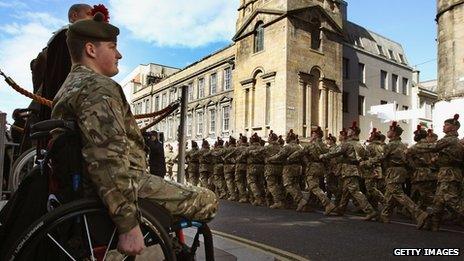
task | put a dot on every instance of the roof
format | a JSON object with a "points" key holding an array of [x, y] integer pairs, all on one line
{"points": [[431, 85]]}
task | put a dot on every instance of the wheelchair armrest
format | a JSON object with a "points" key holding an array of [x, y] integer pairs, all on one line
{"points": [[39, 134], [49, 125]]}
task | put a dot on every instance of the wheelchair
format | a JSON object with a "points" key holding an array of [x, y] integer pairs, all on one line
{"points": [[83, 230]]}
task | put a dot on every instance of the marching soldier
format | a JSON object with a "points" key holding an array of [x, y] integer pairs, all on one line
{"points": [[394, 159], [423, 179], [273, 173], [241, 170], [229, 168], [351, 152], [292, 170], [255, 170], [373, 172], [171, 159], [331, 174], [449, 159], [218, 169], [192, 158], [206, 167]]}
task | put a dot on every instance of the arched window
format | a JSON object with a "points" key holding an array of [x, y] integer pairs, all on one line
{"points": [[259, 37]]}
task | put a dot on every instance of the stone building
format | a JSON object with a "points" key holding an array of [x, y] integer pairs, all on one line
{"points": [[292, 64]]}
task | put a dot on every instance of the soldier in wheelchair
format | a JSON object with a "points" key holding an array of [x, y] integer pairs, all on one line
{"points": [[91, 113]]}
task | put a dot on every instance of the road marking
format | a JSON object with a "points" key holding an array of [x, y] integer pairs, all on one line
{"points": [[279, 254]]}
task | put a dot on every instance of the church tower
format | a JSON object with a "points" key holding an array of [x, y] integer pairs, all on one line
{"points": [[288, 66]]}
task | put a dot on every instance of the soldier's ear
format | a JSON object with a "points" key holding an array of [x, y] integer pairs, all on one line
{"points": [[90, 50]]}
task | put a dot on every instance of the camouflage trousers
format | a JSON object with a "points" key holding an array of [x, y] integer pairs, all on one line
{"points": [[240, 180], [291, 176], [193, 174], [273, 177], [422, 193], [333, 186], [219, 181], [169, 171], [312, 181], [350, 189], [229, 176], [192, 202], [206, 175], [374, 195], [448, 194], [394, 196], [255, 181]]}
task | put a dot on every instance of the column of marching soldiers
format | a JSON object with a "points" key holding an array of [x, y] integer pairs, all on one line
{"points": [[286, 174]]}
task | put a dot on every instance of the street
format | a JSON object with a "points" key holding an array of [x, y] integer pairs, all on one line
{"points": [[317, 237]]}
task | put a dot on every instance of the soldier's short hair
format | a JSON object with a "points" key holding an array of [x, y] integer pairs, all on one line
{"points": [[75, 8]]}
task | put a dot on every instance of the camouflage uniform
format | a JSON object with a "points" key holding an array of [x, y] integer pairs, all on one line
{"points": [[291, 172], [273, 175], [351, 152], [171, 159], [113, 150], [255, 172], [423, 179], [192, 157], [240, 172], [373, 173], [218, 172], [206, 168], [395, 175], [229, 171], [449, 159], [332, 176], [315, 169]]}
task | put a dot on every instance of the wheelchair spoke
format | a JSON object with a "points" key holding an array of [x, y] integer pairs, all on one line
{"points": [[109, 244], [88, 237], [61, 247]]}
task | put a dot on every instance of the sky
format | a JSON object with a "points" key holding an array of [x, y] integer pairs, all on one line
{"points": [[179, 32]]}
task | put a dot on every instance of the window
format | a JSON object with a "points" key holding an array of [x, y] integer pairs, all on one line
{"points": [[147, 105], [394, 83], [380, 49], [268, 103], [227, 78], [316, 39], [358, 41], [382, 102], [361, 105], [189, 125], [225, 118], [362, 73], [391, 54], [201, 88], [212, 121], [213, 83], [172, 96], [190, 91], [346, 68], [383, 80], [405, 86], [199, 123], [170, 128], [345, 101], [402, 60], [405, 108], [259, 37], [157, 103], [164, 100]]}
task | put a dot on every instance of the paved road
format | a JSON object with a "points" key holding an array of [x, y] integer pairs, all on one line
{"points": [[316, 237]]}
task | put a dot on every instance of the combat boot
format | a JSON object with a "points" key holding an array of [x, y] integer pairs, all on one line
{"points": [[278, 205], [232, 198], [243, 200], [384, 219], [422, 219], [329, 208], [301, 204], [339, 211], [258, 202], [371, 215]]}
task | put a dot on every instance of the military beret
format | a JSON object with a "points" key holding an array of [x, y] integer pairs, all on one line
{"points": [[454, 121], [95, 29]]}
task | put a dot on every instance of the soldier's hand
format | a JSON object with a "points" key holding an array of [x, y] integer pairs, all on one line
{"points": [[322, 156], [131, 243]]}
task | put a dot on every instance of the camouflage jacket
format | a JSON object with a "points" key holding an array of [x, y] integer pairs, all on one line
{"points": [[192, 156], [282, 156], [112, 144], [373, 169], [255, 153], [421, 163], [350, 153], [217, 154], [241, 156], [270, 150], [229, 155], [204, 156], [394, 160]]}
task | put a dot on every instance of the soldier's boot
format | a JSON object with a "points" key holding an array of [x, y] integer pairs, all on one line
{"points": [[371, 215], [339, 211], [258, 202], [302, 204], [329, 208], [232, 198], [243, 200], [384, 219], [278, 205], [422, 219]]}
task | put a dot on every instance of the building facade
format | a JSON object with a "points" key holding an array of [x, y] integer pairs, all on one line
{"points": [[292, 64]]}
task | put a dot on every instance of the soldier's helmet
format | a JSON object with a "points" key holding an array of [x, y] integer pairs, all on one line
{"points": [[331, 138], [375, 135], [272, 137], [354, 127], [232, 140], [220, 142], [291, 136], [255, 138], [205, 144], [454, 121], [396, 128], [317, 130], [281, 140], [419, 133], [194, 144]]}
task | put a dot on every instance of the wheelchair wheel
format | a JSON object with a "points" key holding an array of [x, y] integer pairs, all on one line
{"points": [[21, 167], [82, 230]]}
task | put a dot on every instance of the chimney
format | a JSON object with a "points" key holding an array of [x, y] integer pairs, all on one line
{"points": [[415, 77]]}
